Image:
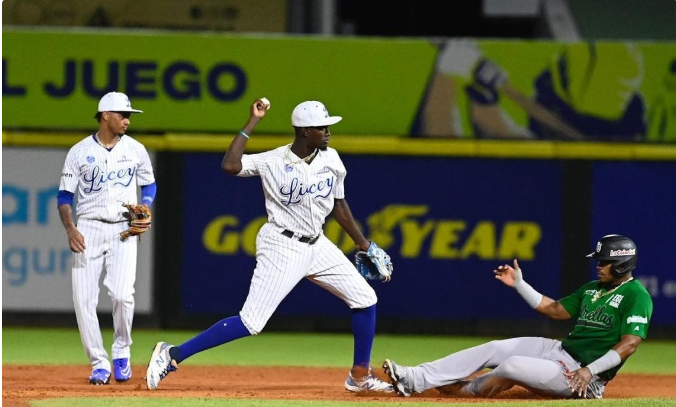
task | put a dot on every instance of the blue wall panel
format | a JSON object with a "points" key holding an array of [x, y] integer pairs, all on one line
{"points": [[466, 205], [637, 199]]}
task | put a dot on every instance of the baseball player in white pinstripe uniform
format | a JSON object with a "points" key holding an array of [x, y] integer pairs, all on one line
{"points": [[303, 183], [105, 170]]}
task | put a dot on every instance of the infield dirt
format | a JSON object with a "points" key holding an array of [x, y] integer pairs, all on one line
{"points": [[20, 384]]}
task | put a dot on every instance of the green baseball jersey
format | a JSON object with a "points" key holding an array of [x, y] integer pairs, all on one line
{"points": [[603, 316]]}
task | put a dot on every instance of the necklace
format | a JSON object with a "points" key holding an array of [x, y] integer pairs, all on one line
{"points": [[96, 137], [307, 159], [598, 294]]}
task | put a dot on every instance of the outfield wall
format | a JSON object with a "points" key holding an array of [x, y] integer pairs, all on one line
{"points": [[447, 221], [428, 180]]}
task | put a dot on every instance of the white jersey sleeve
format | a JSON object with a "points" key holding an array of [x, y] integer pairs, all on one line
{"points": [[144, 173], [341, 173], [69, 173], [254, 164]]}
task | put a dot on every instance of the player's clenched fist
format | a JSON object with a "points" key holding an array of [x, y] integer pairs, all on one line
{"points": [[260, 107]]}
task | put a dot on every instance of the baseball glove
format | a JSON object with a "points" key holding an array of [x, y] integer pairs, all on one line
{"points": [[374, 264], [139, 220]]}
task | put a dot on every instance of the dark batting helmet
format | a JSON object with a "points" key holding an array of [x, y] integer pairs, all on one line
{"points": [[618, 250]]}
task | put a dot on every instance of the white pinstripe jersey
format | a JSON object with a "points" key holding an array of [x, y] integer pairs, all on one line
{"points": [[104, 179], [298, 196]]}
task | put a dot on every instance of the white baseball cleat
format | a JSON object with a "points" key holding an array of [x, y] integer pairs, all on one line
{"points": [[367, 383], [160, 365]]}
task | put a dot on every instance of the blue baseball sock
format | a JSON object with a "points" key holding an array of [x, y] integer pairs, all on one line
{"points": [[223, 331], [364, 330]]}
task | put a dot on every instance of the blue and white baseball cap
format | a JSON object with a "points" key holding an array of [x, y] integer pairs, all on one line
{"points": [[312, 114], [116, 102]]}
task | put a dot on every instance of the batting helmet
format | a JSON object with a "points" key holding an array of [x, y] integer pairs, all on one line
{"points": [[618, 250]]}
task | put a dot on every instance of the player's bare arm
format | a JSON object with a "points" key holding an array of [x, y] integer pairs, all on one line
{"points": [[627, 346], [512, 277], [75, 238], [552, 309], [232, 161], [343, 215]]}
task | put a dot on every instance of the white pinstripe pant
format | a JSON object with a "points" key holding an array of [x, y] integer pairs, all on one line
{"points": [[281, 262], [104, 252]]}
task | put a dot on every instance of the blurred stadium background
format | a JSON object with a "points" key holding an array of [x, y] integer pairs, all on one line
{"points": [[448, 171]]}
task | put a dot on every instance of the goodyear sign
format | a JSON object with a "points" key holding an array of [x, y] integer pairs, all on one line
{"points": [[447, 224], [446, 238]]}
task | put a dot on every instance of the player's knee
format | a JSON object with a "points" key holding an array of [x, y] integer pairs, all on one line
{"points": [[511, 368], [122, 298], [499, 347], [85, 298], [368, 299]]}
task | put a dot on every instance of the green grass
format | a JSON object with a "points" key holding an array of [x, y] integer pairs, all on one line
{"points": [[62, 346]]}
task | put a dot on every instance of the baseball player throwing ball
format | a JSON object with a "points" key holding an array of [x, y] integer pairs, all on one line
{"points": [[105, 170], [303, 183], [612, 315]]}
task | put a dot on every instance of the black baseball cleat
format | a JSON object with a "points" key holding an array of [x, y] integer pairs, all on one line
{"points": [[397, 379]]}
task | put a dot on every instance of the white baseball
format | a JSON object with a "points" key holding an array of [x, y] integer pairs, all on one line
{"points": [[266, 102]]}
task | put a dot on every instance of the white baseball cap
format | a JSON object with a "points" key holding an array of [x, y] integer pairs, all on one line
{"points": [[116, 102], [312, 114]]}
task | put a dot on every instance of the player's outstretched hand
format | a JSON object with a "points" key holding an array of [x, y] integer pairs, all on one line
{"points": [[509, 275]]}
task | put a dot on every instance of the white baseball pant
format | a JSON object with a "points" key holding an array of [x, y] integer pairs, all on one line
{"points": [[105, 251], [281, 262]]}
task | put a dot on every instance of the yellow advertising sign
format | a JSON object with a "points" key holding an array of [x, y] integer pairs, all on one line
{"points": [[602, 91], [544, 90], [206, 82]]}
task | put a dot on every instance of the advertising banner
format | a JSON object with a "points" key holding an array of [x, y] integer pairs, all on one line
{"points": [[636, 199], [207, 82], [446, 234], [618, 91], [457, 88], [36, 258]]}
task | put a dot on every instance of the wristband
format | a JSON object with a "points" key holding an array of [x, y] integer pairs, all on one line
{"points": [[528, 293], [242, 133], [605, 362]]}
